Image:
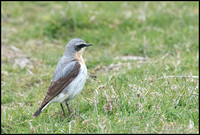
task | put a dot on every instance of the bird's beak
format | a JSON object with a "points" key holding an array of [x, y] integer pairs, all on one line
{"points": [[88, 45]]}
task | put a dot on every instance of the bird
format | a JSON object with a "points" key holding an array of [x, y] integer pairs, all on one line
{"points": [[69, 76]]}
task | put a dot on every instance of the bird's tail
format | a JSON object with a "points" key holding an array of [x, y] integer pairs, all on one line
{"points": [[43, 105], [40, 109], [37, 112]]}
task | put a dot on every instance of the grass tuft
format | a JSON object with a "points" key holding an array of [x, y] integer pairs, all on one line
{"points": [[143, 67]]}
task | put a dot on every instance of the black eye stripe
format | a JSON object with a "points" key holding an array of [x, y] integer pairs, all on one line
{"points": [[78, 47], [82, 45]]}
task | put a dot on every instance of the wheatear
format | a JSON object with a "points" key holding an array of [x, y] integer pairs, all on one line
{"points": [[69, 76]]}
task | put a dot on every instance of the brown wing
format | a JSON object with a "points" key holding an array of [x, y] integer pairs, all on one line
{"points": [[56, 87]]}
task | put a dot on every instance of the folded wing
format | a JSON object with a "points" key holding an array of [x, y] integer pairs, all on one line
{"points": [[57, 86]]}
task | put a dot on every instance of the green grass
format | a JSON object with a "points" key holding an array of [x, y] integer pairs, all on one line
{"points": [[151, 96]]}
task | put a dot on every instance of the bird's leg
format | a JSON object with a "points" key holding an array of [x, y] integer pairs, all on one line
{"points": [[68, 107], [62, 109]]}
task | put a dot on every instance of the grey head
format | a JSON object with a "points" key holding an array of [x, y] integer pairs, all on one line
{"points": [[75, 45]]}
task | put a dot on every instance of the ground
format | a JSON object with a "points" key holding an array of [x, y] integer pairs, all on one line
{"points": [[143, 67]]}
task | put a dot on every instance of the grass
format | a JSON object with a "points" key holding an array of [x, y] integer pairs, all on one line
{"points": [[157, 95]]}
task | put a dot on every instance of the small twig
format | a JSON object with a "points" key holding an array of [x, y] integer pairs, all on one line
{"points": [[183, 76], [180, 76], [163, 57], [145, 46]]}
